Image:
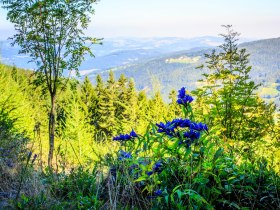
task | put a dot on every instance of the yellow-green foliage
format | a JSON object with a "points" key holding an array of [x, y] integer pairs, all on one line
{"points": [[84, 119], [14, 101]]}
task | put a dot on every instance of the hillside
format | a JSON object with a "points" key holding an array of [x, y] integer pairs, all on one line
{"points": [[179, 69]]}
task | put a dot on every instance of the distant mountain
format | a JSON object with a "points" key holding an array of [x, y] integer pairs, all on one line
{"points": [[117, 51], [178, 69]]}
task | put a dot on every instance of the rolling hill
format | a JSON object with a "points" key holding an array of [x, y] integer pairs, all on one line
{"points": [[178, 69]]}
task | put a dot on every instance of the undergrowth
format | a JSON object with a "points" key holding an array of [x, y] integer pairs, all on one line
{"points": [[178, 164]]}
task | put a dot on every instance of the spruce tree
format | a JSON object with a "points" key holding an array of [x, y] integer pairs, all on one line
{"points": [[121, 104], [157, 107], [106, 121], [229, 94], [89, 100], [142, 113], [131, 110], [87, 92]]}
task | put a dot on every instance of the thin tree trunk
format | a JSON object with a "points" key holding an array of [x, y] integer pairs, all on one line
{"points": [[51, 130]]}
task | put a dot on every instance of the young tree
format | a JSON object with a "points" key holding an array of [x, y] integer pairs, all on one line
{"points": [[51, 32], [121, 103], [105, 117], [230, 95]]}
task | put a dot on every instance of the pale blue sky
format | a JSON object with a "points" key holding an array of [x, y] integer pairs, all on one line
{"points": [[178, 18]]}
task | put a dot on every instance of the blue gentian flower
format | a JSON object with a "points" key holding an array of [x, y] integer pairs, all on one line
{"points": [[125, 137], [133, 134], [185, 123], [158, 192], [192, 135], [181, 123], [158, 167], [124, 155], [29, 155], [167, 128], [182, 92], [183, 98], [149, 173], [198, 126], [34, 158]]}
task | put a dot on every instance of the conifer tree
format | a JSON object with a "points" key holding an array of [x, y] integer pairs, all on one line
{"points": [[158, 109], [99, 89], [131, 110], [121, 103], [230, 94], [106, 108], [87, 92], [143, 113], [89, 100]]}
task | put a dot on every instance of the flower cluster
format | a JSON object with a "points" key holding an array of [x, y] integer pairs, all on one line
{"points": [[126, 137], [183, 98], [169, 128]]}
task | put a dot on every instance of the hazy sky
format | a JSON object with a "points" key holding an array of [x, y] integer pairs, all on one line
{"points": [[178, 18]]}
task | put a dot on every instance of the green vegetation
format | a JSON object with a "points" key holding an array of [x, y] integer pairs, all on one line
{"points": [[117, 148], [175, 164]]}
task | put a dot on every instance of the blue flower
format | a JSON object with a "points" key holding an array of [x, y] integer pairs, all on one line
{"points": [[149, 173], [158, 167], [181, 123], [192, 135], [124, 155], [158, 192], [199, 127], [125, 137], [167, 128], [29, 155], [133, 134], [182, 92], [183, 98], [34, 158]]}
